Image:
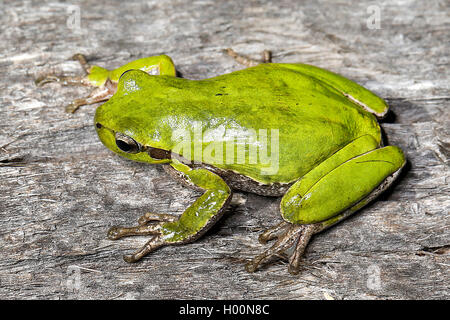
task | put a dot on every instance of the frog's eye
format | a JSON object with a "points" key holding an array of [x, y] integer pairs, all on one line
{"points": [[127, 144]]}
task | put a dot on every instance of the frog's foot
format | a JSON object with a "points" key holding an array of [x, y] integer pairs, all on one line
{"points": [[99, 94], [149, 224], [303, 240], [248, 62], [300, 234]]}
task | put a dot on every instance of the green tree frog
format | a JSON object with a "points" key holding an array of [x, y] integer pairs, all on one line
{"points": [[294, 131]]}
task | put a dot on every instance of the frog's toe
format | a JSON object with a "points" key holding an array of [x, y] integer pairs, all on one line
{"points": [[303, 240], [142, 230], [154, 243], [251, 266], [158, 217], [284, 242], [273, 233], [287, 235], [149, 224], [46, 79], [75, 105], [114, 233]]}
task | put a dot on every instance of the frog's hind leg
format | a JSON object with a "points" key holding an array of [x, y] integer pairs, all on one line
{"points": [[266, 57], [294, 260], [339, 186], [360, 179]]}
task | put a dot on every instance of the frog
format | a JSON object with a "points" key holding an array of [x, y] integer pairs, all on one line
{"points": [[327, 156]]}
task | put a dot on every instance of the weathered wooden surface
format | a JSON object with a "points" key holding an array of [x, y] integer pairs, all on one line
{"points": [[61, 189]]}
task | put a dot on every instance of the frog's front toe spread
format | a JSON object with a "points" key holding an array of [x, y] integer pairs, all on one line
{"points": [[149, 224], [295, 234]]}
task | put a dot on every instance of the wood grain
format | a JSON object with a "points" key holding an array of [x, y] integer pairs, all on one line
{"points": [[61, 189]]}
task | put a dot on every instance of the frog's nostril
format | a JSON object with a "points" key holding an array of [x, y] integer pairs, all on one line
{"points": [[98, 125]]}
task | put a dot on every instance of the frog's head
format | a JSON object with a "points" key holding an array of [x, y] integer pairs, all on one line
{"points": [[126, 126]]}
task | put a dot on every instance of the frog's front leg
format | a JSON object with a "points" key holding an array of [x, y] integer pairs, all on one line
{"points": [[64, 80], [105, 81], [99, 94], [195, 220]]}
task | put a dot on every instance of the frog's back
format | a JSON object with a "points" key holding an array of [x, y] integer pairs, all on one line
{"points": [[310, 119]]}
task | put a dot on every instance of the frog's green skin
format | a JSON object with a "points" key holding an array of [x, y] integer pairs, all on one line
{"points": [[330, 160], [155, 65]]}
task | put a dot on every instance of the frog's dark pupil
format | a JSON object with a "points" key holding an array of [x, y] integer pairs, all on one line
{"points": [[127, 144], [122, 145]]}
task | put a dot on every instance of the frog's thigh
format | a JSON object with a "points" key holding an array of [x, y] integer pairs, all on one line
{"points": [[342, 187], [203, 213], [298, 190]]}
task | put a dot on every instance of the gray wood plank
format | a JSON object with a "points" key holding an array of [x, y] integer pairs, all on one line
{"points": [[61, 189]]}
